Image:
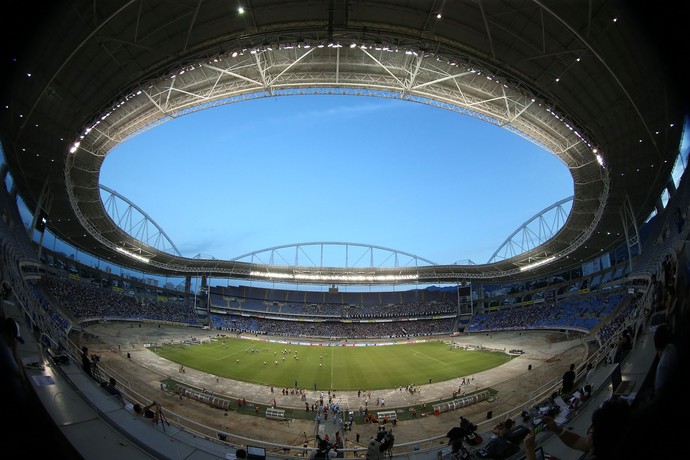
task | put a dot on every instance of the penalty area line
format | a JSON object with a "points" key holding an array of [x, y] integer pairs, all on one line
{"points": [[431, 358], [331, 385]]}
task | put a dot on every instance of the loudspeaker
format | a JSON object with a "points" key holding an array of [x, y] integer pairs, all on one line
{"points": [[489, 415]]}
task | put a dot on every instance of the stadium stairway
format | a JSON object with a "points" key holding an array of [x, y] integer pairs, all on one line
{"points": [[328, 428]]}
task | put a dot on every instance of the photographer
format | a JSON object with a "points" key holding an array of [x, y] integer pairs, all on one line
{"points": [[608, 436], [379, 445], [503, 427], [457, 452], [111, 387], [86, 361], [323, 451]]}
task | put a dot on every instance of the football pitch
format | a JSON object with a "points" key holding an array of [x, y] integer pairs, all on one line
{"points": [[331, 367]]}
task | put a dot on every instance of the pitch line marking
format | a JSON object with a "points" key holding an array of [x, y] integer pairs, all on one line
{"points": [[220, 358], [331, 368], [416, 353]]}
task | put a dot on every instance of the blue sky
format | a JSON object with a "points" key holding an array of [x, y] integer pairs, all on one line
{"points": [[275, 171]]}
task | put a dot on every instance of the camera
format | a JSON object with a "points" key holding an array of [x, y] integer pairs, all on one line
{"points": [[387, 439], [95, 358], [323, 446]]}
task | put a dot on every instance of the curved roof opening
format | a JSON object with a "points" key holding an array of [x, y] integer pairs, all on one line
{"points": [[610, 113], [284, 170]]}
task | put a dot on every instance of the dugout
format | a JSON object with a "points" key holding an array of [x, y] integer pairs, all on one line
{"points": [[275, 414], [461, 402]]}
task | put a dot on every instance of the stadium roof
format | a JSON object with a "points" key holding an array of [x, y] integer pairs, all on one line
{"points": [[583, 80]]}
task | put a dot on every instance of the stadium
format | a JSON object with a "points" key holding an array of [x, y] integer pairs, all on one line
{"points": [[593, 84]]}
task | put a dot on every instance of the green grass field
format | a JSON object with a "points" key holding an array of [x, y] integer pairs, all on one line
{"points": [[336, 367]]}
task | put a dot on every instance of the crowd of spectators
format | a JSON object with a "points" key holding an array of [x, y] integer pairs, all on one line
{"points": [[334, 310], [333, 329], [579, 313], [87, 302], [84, 302]]}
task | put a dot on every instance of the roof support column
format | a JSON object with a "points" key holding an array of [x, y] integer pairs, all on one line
{"points": [[187, 289], [628, 218]]}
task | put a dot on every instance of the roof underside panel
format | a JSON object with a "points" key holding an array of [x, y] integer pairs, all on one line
{"points": [[562, 74]]}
